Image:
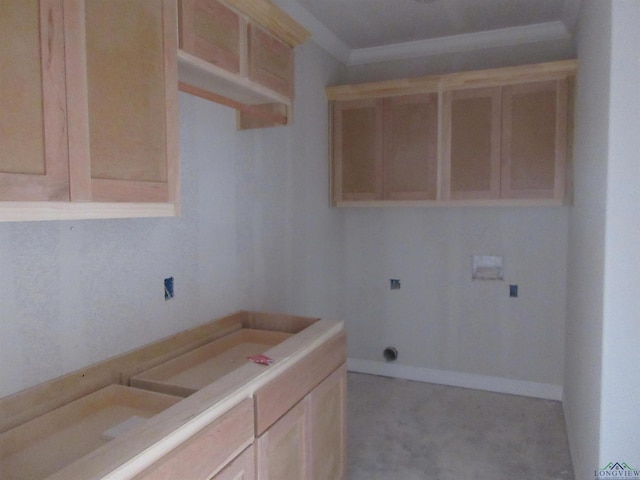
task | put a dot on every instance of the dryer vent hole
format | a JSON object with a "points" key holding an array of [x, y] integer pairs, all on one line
{"points": [[390, 354]]}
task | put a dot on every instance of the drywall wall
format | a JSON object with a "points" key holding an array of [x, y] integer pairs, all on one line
{"points": [[442, 322], [73, 293], [620, 415], [587, 238]]}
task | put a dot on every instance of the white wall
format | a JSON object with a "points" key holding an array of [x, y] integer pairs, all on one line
{"points": [[602, 380], [620, 408], [443, 320], [582, 384], [256, 232]]}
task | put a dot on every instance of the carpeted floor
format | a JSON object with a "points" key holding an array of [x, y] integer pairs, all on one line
{"points": [[403, 430]]}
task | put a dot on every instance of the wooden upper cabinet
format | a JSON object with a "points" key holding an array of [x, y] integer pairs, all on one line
{"points": [[357, 150], [211, 31], [270, 61], [534, 140], [492, 137], [410, 163], [122, 97], [240, 53], [471, 143], [33, 157]]}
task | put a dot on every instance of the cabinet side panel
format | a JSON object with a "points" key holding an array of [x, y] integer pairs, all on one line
{"points": [[411, 139], [126, 90]]}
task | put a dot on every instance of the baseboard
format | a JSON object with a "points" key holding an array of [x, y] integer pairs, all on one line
{"points": [[457, 379]]}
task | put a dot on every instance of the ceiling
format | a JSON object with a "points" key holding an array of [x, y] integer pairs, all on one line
{"points": [[364, 31]]}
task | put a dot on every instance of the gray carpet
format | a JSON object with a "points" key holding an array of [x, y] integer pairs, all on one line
{"points": [[402, 430]]}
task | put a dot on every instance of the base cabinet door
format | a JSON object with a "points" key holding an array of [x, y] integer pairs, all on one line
{"points": [[326, 427], [309, 441], [282, 449], [242, 468]]}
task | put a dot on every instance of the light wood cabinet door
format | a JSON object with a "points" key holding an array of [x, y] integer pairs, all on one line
{"points": [[357, 150], [282, 450], [534, 140], [271, 61], [122, 100], [410, 135], [242, 468], [33, 132], [211, 31], [326, 412], [471, 143]]}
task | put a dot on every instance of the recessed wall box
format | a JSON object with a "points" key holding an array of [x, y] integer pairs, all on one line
{"points": [[486, 267]]}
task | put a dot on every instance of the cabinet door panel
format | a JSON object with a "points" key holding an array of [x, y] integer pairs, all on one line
{"points": [[33, 157], [534, 140], [271, 61], [411, 147], [357, 150], [212, 32], [123, 99], [472, 144], [327, 405], [282, 450], [242, 468]]}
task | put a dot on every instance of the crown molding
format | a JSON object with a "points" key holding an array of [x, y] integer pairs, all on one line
{"points": [[461, 43], [320, 34], [326, 39]]}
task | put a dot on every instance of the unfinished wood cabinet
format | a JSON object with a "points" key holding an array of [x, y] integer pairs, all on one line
{"points": [[534, 140], [471, 143], [33, 157], [281, 421], [121, 89], [357, 150], [410, 138], [385, 149], [326, 428], [47, 444], [300, 418], [309, 441], [209, 451], [271, 61], [211, 31], [88, 109], [242, 468], [492, 137], [240, 53], [282, 450]]}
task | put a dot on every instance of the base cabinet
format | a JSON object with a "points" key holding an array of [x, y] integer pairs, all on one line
{"points": [[309, 441], [242, 468]]}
